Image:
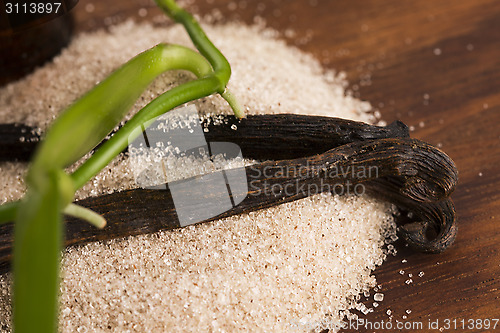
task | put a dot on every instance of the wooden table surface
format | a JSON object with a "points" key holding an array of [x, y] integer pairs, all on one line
{"points": [[436, 66]]}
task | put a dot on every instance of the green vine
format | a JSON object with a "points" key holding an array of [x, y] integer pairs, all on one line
{"points": [[38, 217]]}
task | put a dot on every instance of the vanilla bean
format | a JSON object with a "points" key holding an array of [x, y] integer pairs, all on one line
{"points": [[282, 136], [424, 175], [288, 136], [17, 142]]}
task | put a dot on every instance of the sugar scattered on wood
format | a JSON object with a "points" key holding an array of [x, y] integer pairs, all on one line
{"points": [[379, 297]]}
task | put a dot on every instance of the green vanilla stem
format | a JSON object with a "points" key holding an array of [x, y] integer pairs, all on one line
{"points": [[37, 246], [38, 216], [37, 231]]}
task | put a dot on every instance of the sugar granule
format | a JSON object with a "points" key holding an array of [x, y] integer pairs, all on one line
{"points": [[379, 297], [271, 270]]}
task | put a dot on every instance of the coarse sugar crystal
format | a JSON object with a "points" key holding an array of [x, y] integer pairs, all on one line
{"points": [[378, 297]]}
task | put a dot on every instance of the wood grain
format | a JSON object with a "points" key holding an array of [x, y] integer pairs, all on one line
{"points": [[436, 66]]}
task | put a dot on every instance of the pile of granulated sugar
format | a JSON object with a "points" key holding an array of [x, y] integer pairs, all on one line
{"points": [[298, 266]]}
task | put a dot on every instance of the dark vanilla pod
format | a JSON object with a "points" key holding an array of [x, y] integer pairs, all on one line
{"points": [[415, 176], [282, 136]]}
